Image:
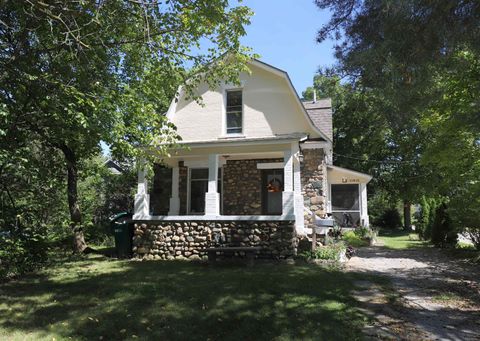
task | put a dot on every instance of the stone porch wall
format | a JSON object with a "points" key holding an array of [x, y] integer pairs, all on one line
{"points": [[242, 192], [314, 184], [189, 239]]}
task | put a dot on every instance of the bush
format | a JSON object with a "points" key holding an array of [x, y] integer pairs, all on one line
{"points": [[443, 232], [328, 252], [21, 251], [389, 219], [382, 210], [353, 239], [425, 216]]}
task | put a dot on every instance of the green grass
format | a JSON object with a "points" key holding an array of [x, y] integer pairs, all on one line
{"points": [[399, 239], [95, 298], [446, 297]]}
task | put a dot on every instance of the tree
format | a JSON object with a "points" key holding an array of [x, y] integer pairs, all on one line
{"points": [[76, 73], [403, 51], [368, 138]]}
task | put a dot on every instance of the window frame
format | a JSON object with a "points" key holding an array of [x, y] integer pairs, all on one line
{"points": [[225, 114], [359, 211], [189, 189]]}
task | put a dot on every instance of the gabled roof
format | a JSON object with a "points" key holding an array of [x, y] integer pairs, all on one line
{"points": [[270, 68], [285, 75], [364, 176], [320, 113]]}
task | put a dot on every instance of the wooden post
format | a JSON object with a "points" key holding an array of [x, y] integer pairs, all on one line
{"points": [[314, 238]]}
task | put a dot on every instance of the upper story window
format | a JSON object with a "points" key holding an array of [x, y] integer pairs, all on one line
{"points": [[234, 112]]}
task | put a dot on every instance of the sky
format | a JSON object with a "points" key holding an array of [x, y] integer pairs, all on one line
{"points": [[283, 33]]}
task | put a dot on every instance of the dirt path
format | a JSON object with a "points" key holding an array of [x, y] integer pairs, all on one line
{"points": [[431, 296]]}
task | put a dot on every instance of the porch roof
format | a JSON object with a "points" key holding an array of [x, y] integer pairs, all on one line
{"points": [[240, 140], [364, 178]]}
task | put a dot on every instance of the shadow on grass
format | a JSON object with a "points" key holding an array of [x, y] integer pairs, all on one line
{"points": [[99, 298]]}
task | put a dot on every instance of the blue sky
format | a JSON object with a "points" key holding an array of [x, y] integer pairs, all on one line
{"points": [[283, 33]]}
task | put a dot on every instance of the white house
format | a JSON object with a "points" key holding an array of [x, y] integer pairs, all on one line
{"points": [[258, 161]]}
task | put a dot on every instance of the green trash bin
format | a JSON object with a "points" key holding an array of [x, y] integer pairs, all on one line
{"points": [[123, 233]]}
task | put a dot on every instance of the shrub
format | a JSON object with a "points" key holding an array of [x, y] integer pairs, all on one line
{"points": [[352, 239], [390, 219], [382, 210], [21, 251], [328, 252], [425, 216], [365, 232], [443, 231]]}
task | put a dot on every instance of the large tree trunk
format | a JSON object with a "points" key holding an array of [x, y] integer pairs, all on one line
{"points": [[79, 244], [407, 217]]}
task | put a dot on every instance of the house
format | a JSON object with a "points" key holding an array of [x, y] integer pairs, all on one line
{"points": [[258, 161], [113, 167]]}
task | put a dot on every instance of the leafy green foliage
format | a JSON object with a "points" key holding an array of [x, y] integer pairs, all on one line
{"points": [[365, 232], [22, 250], [414, 70], [328, 252], [75, 74], [443, 231], [353, 239], [104, 194], [425, 217]]}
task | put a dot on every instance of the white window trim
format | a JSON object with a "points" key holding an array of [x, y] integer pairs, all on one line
{"points": [[224, 113], [341, 211]]}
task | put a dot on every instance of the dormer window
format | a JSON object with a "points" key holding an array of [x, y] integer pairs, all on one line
{"points": [[234, 112]]}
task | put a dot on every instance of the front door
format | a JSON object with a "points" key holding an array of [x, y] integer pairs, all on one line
{"points": [[272, 188]]}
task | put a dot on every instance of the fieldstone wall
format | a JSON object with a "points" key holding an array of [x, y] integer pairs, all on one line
{"points": [[242, 183], [189, 239], [313, 178]]}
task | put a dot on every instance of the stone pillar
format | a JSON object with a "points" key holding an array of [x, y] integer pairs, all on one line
{"points": [[175, 199], [314, 182], [142, 199], [288, 194], [212, 198]]}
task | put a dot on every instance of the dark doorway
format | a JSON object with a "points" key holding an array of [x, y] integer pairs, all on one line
{"points": [[272, 189]]}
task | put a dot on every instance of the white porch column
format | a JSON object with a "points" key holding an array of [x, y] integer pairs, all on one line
{"points": [[288, 194], [175, 199], [297, 189], [142, 198], [212, 198], [364, 207]]}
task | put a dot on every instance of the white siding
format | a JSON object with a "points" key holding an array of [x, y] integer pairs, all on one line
{"points": [[269, 108]]}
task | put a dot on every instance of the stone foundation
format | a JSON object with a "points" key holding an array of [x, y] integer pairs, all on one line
{"points": [[189, 239]]}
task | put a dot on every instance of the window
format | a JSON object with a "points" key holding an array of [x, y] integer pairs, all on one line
{"points": [[234, 112], [345, 205], [198, 188]]}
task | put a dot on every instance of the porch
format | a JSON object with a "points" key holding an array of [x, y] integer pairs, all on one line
{"points": [[232, 192], [251, 179]]}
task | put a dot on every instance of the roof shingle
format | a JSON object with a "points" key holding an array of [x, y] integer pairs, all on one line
{"points": [[320, 113]]}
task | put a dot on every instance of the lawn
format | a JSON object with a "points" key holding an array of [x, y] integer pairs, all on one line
{"points": [[95, 298], [399, 239]]}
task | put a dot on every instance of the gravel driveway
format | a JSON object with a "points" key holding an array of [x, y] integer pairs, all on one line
{"points": [[430, 296]]}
